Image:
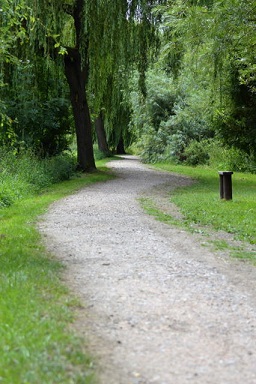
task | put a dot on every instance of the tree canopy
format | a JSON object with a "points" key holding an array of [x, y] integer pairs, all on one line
{"points": [[92, 41], [207, 55], [98, 59]]}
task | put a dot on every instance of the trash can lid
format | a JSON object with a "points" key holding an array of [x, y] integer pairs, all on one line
{"points": [[225, 173]]}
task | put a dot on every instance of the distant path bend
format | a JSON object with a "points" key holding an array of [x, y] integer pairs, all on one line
{"points": [[158, 307]]}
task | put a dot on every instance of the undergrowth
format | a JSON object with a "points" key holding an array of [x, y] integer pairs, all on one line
{"points": [[24, 174]]}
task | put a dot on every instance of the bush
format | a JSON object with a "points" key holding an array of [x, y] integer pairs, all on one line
{"points": [[196, 153], [24, 175], [152, 146], [170, 118], [45, 126], [224, 158], [60, 167], [176, 147]]}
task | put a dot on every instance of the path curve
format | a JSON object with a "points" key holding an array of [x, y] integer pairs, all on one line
{"points": [[158, 308]]}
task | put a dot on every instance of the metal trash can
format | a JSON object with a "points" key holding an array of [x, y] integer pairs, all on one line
{"points": [[226, 185]]}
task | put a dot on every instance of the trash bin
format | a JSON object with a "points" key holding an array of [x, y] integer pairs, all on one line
{"points": [[226, 185]]}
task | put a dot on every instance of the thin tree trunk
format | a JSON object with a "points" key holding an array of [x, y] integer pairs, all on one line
{"points": [[120, 147], [77, 79], [101, 135]]}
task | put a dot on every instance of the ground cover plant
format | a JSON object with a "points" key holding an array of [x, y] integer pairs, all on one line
{"points": [[35, 307], [200, 203]]}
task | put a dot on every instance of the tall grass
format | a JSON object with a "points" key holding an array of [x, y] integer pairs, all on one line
{"points": [[35, 307], [24, 175]]}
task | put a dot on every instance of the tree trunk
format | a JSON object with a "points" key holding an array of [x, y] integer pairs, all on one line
{"points": [[76, 78], [101, 135], [120, 147]]}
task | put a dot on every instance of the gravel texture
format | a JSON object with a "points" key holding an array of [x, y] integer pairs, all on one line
{"points": [[157, 306]]}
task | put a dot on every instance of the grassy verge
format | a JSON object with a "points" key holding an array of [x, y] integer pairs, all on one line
{"points": [[35, 307], [200, 204]]}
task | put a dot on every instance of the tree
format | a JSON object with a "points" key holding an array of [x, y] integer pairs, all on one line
{"points": [[101, 134], [208, 49], [13, 33], [95, 37], [115, 104]]}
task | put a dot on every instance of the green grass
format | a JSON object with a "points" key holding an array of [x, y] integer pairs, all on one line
{"points": [[200, 202], [35, 307], [25, 175], [149, 207]]}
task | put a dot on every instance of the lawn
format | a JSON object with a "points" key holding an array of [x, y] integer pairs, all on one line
{"points": [[200, 203], [36, 309]]}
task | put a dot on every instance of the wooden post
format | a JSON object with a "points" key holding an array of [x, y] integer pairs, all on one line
{"points": [[226, 185]]}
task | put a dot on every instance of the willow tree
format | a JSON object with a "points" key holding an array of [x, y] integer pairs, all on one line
{"points": [[209, 50], [11, 32], [95, 37]]}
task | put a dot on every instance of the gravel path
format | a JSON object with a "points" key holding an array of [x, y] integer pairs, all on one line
{"points": [[158, 308]]}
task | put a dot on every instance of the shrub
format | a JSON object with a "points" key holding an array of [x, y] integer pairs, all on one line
{"points": [[152, 145], [24, 175], [45, 126], [196, 153], [233, 159], [60, 167], [176, 147]]}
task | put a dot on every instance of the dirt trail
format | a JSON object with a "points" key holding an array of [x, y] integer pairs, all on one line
{"points": [[158, 308]]}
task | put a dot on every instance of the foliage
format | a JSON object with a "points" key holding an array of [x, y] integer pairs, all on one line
{"points": [[170, 118], [202, 84], [35, 100], [12, 27], [12, 18], [206, 57], [106, 39], [230, 158], [115, 105], [235, 120], [149, 114], [196, 153], [44, 126], [24, 174]]}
